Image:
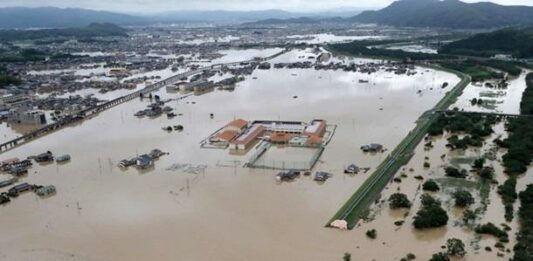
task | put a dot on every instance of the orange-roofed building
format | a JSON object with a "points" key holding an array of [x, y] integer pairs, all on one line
{"points": [[316, 128], [280, 137], [248, 138], [225, 136], [314, 140], [237, 125]]}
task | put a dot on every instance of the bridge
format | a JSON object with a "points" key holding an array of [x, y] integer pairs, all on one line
{"points": [[85, 113]]}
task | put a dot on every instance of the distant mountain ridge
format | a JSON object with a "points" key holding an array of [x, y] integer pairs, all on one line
{"points": [[51, 17], [447, 14], [452, 14], [222, 15], [299, 20], [92, 30]]}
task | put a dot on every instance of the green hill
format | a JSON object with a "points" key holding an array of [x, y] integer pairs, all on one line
{"points": [[517, 42], [448, 14]]}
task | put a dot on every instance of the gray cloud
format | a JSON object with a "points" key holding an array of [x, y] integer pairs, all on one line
{"points": [[167, 5]]}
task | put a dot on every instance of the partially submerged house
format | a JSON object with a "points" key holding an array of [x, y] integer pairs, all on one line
{"points": [[4, 198], [46, 191], [20, 188], [6, 164], [321, 176], [144, 161], [351, 169], [288, 175], [373, 147], [18, 170], [45, 157], [127, 162], [156, 153], [63, 158], [22, 116]]}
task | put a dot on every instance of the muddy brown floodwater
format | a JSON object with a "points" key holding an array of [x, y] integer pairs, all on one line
{"points": [[405, 239], [225, 213]]}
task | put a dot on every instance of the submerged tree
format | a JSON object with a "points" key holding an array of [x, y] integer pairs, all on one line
{"points": [[440, 257], [456, 247], [468, 216], [347, 257], [372, 233], [430, 185], [431, 214], [399, 200], [463, 198]]}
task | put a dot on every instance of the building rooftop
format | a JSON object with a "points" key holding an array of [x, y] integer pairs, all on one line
{"points": [[250, 134], [227, 135], [296, 127], [280, 137], [238, 123], [315, 127]]}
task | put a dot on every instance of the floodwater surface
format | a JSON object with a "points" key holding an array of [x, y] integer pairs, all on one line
{"points": [[226, 212]]}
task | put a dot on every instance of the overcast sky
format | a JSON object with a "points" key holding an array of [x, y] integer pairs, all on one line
{"points": [[167, 5]]}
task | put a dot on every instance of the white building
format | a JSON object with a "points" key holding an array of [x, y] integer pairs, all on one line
{"points": [[26, 116]]}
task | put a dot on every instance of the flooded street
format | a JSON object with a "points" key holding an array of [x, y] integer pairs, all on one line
{"points": [[101, 212]]}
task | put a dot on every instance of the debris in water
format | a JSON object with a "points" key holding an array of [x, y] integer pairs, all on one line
{"points": [[187, 168]]}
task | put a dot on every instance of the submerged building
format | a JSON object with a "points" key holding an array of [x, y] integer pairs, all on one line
{"points": [[26, 117], [241, 135], [230, 131], [248, 138]]}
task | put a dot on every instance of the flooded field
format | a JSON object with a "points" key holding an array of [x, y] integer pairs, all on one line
{"points": [[413, 48], [505, 100], [424, 243], [101, 212], [330, 38]]}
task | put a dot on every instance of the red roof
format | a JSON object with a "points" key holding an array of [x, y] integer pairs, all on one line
{"points": [[314, 140], [227, 135], [238, 123], [252, 134], [278, 137]]}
